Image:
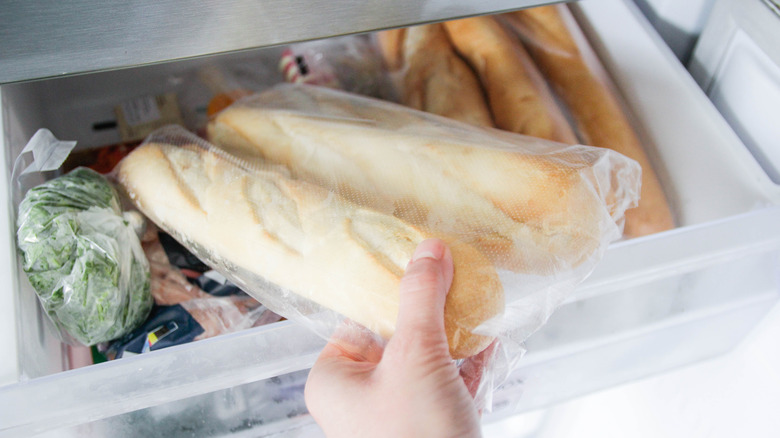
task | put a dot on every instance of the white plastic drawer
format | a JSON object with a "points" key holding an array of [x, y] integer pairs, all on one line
{"points": [[653, 303]]}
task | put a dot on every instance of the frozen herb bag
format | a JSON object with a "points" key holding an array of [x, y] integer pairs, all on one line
{"points": [[83, 257]]}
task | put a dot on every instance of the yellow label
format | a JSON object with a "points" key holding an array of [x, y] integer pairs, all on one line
{"points": [[137, 118]]}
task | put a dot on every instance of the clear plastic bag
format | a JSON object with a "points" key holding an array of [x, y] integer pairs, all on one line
{"points": [[332, 179], [81, 255]]}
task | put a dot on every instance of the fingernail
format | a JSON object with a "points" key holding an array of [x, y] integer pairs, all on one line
{"points": [[430, 249], [423, 255]]}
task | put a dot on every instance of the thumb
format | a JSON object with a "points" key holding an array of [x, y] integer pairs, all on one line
{"points": [[423, 292]]}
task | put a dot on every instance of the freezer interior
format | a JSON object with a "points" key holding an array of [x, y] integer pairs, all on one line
{"points": [[653, 303]]}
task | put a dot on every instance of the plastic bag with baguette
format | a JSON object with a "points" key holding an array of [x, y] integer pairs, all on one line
{"points": [[313, 201]]}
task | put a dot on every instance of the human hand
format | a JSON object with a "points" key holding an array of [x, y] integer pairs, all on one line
{"points": [[414, 389]]}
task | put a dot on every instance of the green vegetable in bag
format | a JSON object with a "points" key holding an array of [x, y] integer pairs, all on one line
{"points": [[83, 257]]}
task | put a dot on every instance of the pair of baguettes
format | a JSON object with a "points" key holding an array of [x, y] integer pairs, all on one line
{"points": [[361, 184], [508, 74]]}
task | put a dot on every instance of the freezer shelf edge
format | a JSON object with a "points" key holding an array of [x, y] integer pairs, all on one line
{"points": [[644, 259], [77, 37]]}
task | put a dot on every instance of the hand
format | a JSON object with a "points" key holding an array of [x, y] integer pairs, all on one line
{"points": [[414, 389]]}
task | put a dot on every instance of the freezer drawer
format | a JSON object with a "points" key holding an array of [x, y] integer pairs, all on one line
{"points": [[671, 313], [653, 303]]}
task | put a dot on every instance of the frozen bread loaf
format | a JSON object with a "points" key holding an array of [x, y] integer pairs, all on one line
{"points": [[531, 206], [303, 239]]}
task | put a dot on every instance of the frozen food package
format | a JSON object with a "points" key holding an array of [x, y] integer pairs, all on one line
{"points": [[188, 321], [191, 302], [562, 52], [313, 201], [79, 250], [351, 63], [226, 83]]}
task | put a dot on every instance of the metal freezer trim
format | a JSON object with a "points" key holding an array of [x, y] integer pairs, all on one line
{"points": [[51, 38]]}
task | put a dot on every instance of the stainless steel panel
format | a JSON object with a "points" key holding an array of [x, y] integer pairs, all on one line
{"points": [[41, 39]]}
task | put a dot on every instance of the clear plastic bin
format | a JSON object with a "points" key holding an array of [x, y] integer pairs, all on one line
{"points": [[652, 304]]}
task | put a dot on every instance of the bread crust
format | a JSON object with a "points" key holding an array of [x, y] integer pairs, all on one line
{"points": [[390, 43], [437, 80], [518, 95], [303, 239], [598, 115]]}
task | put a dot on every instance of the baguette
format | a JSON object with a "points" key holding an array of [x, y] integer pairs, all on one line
{"points": [[536, 213], [517, 93], [303, 239], [598, 115], [390, 43], [437, 80]]}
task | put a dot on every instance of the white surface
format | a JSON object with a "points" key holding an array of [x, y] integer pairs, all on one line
{"points": [[8, 364], [736, 395], [753, 17], [679, 22], [747, 93], [688, 16]]}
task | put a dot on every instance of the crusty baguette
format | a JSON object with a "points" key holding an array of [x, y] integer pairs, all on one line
{"points": [[437, 80], [390, 44], [517, 93], [302, 238], [538, 213], [597, 112]]}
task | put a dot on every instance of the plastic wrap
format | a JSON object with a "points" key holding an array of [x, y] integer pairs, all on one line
{"points": [[332, 180], [81, 255]]}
